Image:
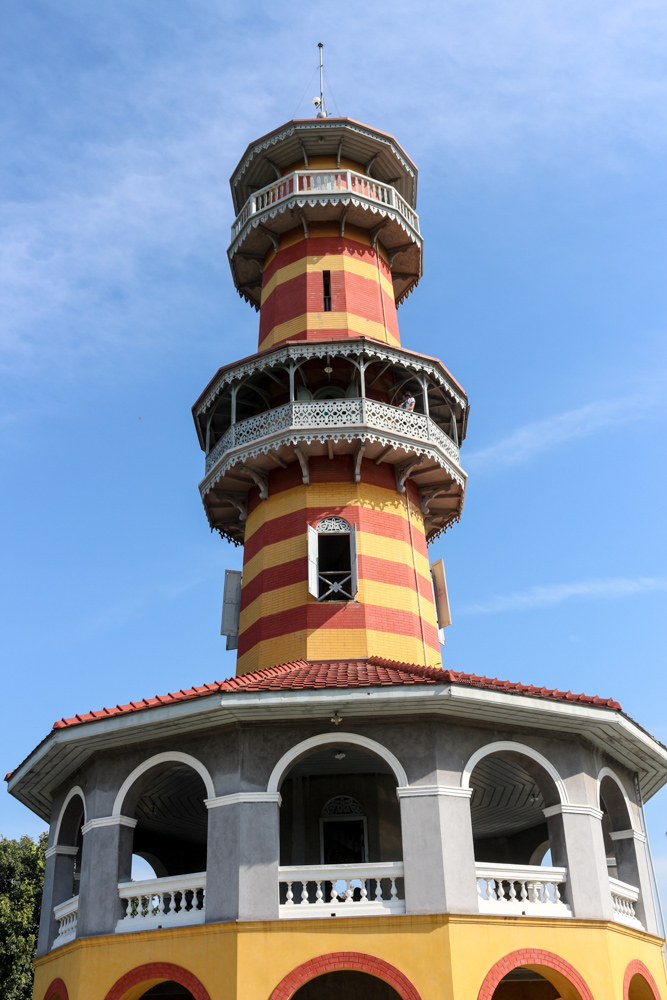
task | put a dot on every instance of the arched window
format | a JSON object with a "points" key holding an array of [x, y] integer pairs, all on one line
{"points": [[332, 560]]}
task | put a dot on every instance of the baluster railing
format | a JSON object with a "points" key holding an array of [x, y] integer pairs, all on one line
{"points": [[67, 915], [521, 890], [355, 890], [162, 902], [623, 899]]}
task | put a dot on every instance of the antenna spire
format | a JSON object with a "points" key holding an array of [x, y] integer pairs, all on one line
{"points": [[319, 101]]}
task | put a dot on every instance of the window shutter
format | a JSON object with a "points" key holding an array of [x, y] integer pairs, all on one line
{"points": [[312, 561], [231, 607], [440, 592], [354, 582]]}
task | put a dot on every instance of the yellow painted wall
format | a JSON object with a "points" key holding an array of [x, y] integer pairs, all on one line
{"points": [[445, 957]]}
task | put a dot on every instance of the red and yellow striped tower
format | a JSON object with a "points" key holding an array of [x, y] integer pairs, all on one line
{"points": [[333, 488]]}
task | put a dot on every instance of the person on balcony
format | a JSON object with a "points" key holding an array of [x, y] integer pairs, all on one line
{"points": [[408, 402]]}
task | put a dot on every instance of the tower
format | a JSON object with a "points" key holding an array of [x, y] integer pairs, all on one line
{"points": [[343, 815], [311, 462]]}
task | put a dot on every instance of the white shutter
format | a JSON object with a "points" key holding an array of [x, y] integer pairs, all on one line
{"points": [[440, 592], [312, 561], [231, 607], [354, 582]]}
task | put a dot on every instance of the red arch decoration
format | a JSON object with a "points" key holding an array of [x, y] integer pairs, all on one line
{"points": [[158, 970], [635, 968], [532, 956], [57, 989], [349, 960]]}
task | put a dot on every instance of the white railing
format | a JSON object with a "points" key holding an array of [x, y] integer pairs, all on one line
{"points": [[623, 899], [174, 901], [341, 890], [521, 890], [66, 914], [322, 184], [328, 414]]}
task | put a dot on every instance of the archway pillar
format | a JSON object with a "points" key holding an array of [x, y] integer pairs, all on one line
{"points": [[438, 853], [575, 835], [58, 880], [106, 860], [243, 853], [633, 867]]}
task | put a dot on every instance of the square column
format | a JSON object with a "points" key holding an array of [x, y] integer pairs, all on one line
{"points": [[106, 860], [438, 853], [243, 852], [575, 836], [58, 884]]}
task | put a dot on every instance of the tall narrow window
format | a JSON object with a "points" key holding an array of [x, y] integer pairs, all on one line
{"points": [[326, 283], [332, 560]]}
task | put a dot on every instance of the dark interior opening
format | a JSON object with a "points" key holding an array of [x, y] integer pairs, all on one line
{"points": [[343, 841], [326, 282], [346, 983], [169, 991], [525, 984], [335, 566]]}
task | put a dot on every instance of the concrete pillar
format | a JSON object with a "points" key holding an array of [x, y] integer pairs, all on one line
{"points": [[575, 837], [106, 860], [243, 853], [438, 853], [58, 883], [632, 864]]}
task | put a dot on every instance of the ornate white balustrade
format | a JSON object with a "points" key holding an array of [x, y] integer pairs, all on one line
{"points": [[325, 185], [330, 418], [521, 890], [623, 899], [175, 901], [341, 890], [66, 914]]}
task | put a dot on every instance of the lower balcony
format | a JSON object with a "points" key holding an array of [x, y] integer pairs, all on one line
{"points": [[66, 915], [521, 890], [363, 890]]}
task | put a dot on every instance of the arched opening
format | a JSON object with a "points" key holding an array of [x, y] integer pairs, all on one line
{"points": [[533, 974], [639, 989], [519, 853], [349, 983], [340, 821], [70, 838], [621, 852], [158, 979], [163, 860], [168, 991]]}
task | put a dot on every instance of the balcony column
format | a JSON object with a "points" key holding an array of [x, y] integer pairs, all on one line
{"points": [[243, 850], [438, 854], [630, 848], [106, 860], [58, 883], [575, 836]]}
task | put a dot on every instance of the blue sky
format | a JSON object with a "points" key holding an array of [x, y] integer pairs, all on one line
{"points": [[540, 132]]}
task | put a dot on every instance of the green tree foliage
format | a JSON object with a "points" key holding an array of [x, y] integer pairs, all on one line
{"points": [[21, 881]]}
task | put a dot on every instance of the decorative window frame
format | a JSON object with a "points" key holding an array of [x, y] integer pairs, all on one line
{"points": [[332, 525]]}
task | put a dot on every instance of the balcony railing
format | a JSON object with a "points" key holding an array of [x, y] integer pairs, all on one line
{"points": [[325, 184], [623, 899], [341, 890], [175, 901], [66, 914], [310, 417], [521, 890]]}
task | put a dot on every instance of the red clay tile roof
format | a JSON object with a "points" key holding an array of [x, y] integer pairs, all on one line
{"points": [[308, 675]]}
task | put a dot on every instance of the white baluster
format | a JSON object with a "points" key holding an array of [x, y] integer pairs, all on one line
{"points": [[304, 893], [524, 893], [556, 893], [512, 892], [364, 891], [290, 895], [394, 890], [319, 895], [378, 890], [349, 891], [501, 890]]}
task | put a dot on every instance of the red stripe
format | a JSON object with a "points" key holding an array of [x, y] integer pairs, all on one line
{"points": [[316, 246], [339, 470], [337, 616]]}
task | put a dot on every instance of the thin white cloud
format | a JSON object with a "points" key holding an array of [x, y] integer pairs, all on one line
{"points": [[610, 588], [540, 436]]}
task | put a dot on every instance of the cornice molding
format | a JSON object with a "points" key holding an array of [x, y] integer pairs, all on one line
{"points": [[102, 821], [237, 798], [572, 809], [641, 838], [420, 791], [61, 849]]}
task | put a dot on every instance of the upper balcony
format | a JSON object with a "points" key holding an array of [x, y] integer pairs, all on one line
{"points": [[327, 399], [308, 196]]}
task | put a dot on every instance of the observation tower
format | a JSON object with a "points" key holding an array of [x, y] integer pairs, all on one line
{"points": [[343, 816]]}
